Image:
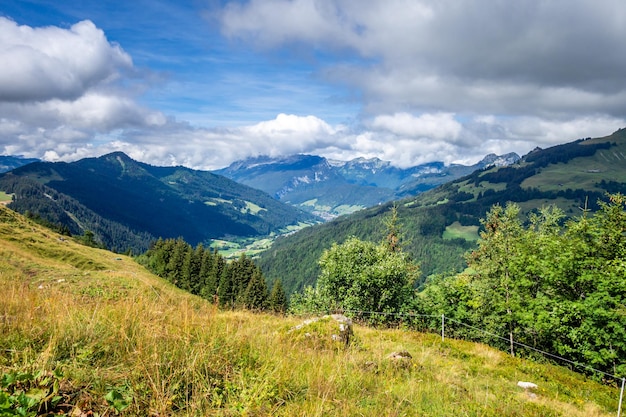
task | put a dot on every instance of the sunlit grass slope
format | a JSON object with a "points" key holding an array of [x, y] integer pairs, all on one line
{"points": [[99, 333], [606, 164]]}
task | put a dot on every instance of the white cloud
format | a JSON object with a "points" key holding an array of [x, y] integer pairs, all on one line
{"points": [[436, 126], [399, 138], [276, 21], [58, 91], [47, 63], [287, 134]]}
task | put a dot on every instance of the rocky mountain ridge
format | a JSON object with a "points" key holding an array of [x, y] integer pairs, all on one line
{"points": [[329, 188]]}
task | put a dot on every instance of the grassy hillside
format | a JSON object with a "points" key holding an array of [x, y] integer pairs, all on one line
{"points": [[83, 330], [587, 173]]}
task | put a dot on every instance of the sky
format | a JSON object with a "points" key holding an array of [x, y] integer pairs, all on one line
{"points": [[203, 83]]}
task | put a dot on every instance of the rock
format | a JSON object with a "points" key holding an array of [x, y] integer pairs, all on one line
{"points": [[342, 333], [526, 385], [345, 328], [400, 356]]}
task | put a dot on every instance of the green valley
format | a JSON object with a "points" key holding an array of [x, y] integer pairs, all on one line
{"points": [[127, 204]]}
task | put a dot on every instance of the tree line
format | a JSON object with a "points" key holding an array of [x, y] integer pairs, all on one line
{"points": [[555, 284], [205, 272]]}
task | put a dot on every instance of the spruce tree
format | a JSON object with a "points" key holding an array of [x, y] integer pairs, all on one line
{"points": [[255, 296], [195, 264], [277, 301], [159, 256], [207, 282], [242, 271], [225, 289], [175, 266]]}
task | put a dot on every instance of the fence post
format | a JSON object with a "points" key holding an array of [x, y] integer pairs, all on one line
{"points": [[443, 321], [621, 397]]}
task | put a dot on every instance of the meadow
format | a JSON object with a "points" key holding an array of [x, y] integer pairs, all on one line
{"points": [[84, 330]]}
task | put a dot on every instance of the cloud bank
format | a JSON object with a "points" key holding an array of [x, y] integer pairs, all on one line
{"points": [[538, 58], [448, 80]]}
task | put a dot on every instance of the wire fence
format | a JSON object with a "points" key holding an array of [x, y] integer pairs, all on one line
{"points": [[428, 320]]}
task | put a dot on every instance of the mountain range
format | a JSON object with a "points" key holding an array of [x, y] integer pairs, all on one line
{"points": [[126, 203], [329, 188], [9, 162], [440, 225]]}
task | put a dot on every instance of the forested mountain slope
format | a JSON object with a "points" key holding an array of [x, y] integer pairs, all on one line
{"points": [[159, 201], [440, 225]]}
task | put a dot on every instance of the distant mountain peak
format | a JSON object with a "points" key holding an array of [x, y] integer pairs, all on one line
{"points": [[115, 154], [330, 187], [499, 160]]}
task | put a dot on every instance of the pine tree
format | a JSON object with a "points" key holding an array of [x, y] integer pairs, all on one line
{"points": [[184, 281], [175, 266], [225, 289], [207, 282], [159, 256], [392, 240], [277, 301], [242, 271], [255, 296], [195, 264]]}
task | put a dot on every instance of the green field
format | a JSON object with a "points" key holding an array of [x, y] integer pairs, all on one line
{"points": [[4, 197], [233, 248], [346, 209], [583, 173], [456, 231], [252, 208]]}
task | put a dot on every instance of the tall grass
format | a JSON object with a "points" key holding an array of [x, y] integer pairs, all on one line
{"points": [[107, 327]]}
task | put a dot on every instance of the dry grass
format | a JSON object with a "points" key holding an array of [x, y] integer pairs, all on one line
{"points": [[109, 325]]}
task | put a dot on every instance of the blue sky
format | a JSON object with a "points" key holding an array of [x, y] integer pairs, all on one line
{"points": [[204, 83]]}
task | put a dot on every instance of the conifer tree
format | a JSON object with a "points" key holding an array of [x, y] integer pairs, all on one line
{"points": [[159, 255], [277, 301], [174, 270], [225, 289], [193, 268], [393, 237], [255, 296], [207, 281], [184, 281], [242, 270]]}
